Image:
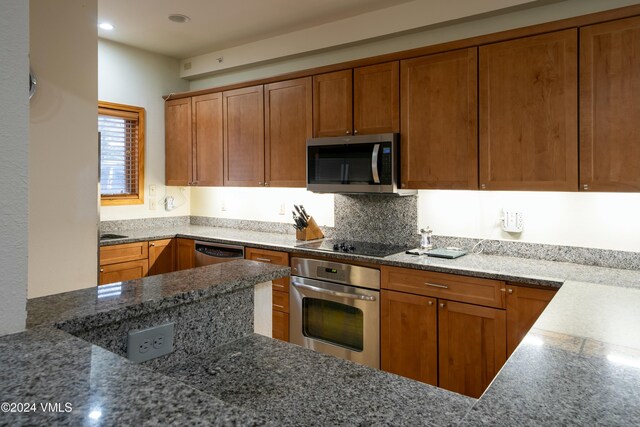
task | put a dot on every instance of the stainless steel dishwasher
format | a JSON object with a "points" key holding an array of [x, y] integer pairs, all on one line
{"points": [[208, 253]]}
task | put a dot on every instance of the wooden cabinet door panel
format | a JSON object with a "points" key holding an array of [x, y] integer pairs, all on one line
{"points": [[123, 271], [524, 306], [288, 117], [376, 99], [333, 104], [177, 142], [528, 113], [207, 140], [472, 346], [280, 325], [162, 256], [440, 121], [610, 106], [185, 257], [243, 111], [408, 336]]}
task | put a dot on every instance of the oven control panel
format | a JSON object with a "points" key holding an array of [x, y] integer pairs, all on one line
{"points": [[331, 274]]}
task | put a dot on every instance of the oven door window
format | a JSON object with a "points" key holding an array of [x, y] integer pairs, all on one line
{"points": [[332, 322]]}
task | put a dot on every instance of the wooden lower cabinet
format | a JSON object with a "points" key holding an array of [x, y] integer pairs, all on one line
{"points": [[524, 306], [123, 271], [280, 290], [185, 257], [472, 346], [162, 256], [409, 336]]}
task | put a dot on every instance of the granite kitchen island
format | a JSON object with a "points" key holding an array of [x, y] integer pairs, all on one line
{"points": [[219, 374]]}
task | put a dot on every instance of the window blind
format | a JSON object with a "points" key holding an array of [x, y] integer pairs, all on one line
{"points": [[119, 152]]}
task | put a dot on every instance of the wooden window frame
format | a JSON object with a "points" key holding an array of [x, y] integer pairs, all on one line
{"points": [[128, 199]]}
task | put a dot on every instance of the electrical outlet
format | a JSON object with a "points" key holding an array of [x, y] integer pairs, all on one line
{"points": [[153, 204], [147, 344], [282, 209], [512, 221], [152, 190]]}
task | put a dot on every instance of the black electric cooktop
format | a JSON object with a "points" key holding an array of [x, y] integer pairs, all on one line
{"points": [[353, 247]]}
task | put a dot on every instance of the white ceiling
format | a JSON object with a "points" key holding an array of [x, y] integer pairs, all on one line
{"points": [[219, 24]]}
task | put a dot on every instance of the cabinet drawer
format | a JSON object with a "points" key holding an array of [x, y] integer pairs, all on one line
{"points": [[281, 285], [121, 253], [280, 301], [280, 326], [123, 271], [265, 255], [441, 285]]}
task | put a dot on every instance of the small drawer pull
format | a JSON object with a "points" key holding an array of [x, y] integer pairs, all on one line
{"points": [[442, 305], [102, 270], [436, 286], [263, 259], [279, 306]]}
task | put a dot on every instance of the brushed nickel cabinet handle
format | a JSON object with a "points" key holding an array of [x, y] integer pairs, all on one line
{"points": [[279, 306], [510, 291], [436, 286], [263, 259], [585, 187]]}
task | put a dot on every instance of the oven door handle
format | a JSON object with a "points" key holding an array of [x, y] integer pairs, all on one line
{"points": [[334, 293]]}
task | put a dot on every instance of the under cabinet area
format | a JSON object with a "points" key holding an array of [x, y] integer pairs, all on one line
{"points": [[452, 331], [280, 290]]}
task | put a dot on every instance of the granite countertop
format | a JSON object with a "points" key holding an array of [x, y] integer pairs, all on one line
{"points": [[521, 270], [299, 387], [100, 305]]}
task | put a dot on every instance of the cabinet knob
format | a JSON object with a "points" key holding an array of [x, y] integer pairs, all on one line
{"points": [[483, 186], [430, 303], [355, 131], [347, 132], [102, 270], [260, 183], [585, 187], [441, 305], [510, 291], [152, 244], [266, 184]]}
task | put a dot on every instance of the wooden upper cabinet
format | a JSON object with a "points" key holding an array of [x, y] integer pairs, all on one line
{"points": [[472, 346], [288, 118], [243, 111], [376, 99], [528, 113], [333, 104], [524, 306], [439, 142], [162, 256], [409, 336], [610, 106], [177, 142], [207, 140]]}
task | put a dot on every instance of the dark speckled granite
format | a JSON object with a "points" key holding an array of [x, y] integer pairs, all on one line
{"points": [[45, 365], [299, 387], [87, 308]]}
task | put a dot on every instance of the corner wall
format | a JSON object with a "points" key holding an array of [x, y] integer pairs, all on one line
{"points": [[14, 149], [63, 149], [127, 75]]}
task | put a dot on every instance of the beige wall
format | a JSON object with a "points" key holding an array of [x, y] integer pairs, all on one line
{"points": [[14, 155], [63, 150], [127, 75]]}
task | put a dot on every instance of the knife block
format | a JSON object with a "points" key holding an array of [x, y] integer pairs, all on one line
{"points": [[310, 232]]}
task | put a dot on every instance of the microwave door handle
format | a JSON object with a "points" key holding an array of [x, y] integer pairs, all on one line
{"points": [[374, 164], [334, 293]]}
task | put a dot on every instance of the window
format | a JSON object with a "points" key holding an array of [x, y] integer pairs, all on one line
{"points": [[121, 130]]}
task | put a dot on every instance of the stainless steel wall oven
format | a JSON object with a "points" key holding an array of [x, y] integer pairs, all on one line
{"points": [[335, 309]]}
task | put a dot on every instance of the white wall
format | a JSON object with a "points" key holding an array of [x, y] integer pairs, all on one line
{"points": [[14, 156], [441, 34], [63, 148], [127, 75], [260, 204], [597, 220]]}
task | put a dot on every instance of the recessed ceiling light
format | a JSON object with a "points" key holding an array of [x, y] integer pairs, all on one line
{"points": [[106, 26], [178, 18]]}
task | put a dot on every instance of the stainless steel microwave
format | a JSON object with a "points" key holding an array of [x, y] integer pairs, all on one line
{"points": [[354, 164]]}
